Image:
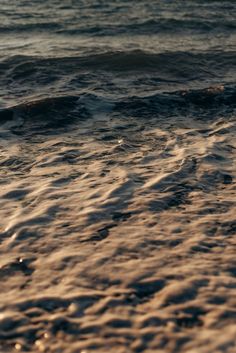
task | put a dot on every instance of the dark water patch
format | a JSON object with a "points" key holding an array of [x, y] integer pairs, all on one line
{"points": [[118, 74], [53, 113], [231, 270], [6, 115], [18, 266], [52, 304], [32, 27], [145, 289], [190, 102], [152, 26], [179, 64], [212, 179], [57, 112], [228, 228]]}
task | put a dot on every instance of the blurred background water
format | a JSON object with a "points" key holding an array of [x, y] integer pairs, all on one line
{"points": [[186, 42]]}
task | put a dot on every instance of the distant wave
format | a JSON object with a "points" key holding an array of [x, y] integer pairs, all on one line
{"points": [[180, 64], [26, 27], [150, 26]]}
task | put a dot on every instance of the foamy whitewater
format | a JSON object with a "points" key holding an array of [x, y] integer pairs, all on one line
{"points": [[117, 176]]}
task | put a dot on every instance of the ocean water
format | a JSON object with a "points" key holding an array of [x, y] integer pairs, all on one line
{"points": [[117, 176]]}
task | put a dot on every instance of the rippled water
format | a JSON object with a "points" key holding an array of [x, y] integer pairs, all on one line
{"points": [[117, 160]]}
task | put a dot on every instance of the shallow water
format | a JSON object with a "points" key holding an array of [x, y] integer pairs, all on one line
{"points": [[117, 197]]}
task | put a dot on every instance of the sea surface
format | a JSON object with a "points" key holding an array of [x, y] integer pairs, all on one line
{"points": [[117, 176]]}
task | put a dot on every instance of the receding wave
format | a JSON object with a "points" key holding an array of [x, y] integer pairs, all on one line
{"points": [[49, 110], [188, 102], [63, 110]]}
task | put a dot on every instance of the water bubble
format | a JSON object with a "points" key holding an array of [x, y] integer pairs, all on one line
{"points": [[39, 344], [18, 346]]}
